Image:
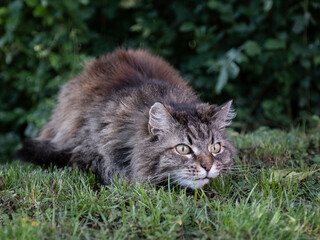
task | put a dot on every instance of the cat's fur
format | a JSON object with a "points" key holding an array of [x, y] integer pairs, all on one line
{"points": [[124, 115]]}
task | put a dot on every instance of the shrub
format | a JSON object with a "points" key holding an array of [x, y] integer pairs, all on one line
{"points": [[263, 54]]}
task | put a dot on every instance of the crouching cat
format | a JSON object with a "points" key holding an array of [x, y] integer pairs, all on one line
{"points": [[130, 114]]}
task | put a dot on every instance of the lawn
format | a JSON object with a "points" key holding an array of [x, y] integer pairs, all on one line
{"points": [[272, 193]]}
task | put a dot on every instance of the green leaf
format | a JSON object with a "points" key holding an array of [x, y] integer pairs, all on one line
{"points": [[233, 69], [187, 27], [289, 175], [3, 11], [213, 4], [40, 11], [277, 175], [252, 48], [54, 60], [274, 44], [316, 60], [234, 55], [222, 79], [267, 5], [84, 2], [276, 217], [126, 4], [299, 24], [32, 3], [136, 28], [192, 44]]}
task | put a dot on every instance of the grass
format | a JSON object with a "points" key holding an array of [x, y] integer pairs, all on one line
{"points": [[273, 193]]}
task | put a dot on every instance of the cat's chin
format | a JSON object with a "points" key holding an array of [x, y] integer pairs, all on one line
{"points": [[193, 184], [214, 172]]}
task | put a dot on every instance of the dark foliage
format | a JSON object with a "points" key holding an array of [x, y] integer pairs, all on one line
{"points": [[263, 54]]}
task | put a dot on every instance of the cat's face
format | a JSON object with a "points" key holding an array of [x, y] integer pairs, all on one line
{"points": [[191, 142]]}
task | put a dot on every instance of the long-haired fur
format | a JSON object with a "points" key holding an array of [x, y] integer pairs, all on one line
{"points": [[124, 115]]}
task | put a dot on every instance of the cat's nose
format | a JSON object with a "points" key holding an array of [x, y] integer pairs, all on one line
{"points": [[206, 165]]}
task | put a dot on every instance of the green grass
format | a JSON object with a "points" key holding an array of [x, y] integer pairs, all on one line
{"points": [[273, 193]]}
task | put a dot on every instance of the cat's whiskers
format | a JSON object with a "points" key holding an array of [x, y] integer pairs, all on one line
{"points": [[174, 176], [162, 177], [234, 170]]}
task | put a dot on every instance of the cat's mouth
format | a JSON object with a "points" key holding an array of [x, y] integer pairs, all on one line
{"points": [[196, 179], [208, 176], [194, 183], [200, 182]]}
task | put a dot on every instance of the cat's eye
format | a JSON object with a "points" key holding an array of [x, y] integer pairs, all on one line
{"points": [[183, 149], [215, 148]]}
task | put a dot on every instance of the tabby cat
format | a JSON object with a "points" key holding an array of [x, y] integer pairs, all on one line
{"points": [[130, 114]]}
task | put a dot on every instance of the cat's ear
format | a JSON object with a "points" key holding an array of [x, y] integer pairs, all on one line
{"points": [[224, 115], [160, 119]]}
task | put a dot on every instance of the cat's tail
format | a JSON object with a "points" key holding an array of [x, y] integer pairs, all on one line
{"points": [[43, 152]]}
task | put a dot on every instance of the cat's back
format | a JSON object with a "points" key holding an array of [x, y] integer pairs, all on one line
{"points": [[101, 77], [119, 69], [122, 67]]}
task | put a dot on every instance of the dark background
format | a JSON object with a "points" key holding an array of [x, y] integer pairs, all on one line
{"points": [[264, 54]]}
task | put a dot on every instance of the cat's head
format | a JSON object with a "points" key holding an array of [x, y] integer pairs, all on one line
{"points": [[191, 142]]}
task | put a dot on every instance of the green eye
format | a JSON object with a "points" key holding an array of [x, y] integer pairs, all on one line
{"points": [[215, 148], [183, 149]]}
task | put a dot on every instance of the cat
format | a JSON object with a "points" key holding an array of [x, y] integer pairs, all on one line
{"points": [[130, 115]]}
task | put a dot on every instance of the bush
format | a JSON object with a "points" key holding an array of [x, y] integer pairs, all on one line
{"points": [[263, 54]]}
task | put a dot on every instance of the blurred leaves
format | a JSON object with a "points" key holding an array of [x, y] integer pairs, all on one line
{"points": [[252, 48], [263, 54], [187, 27], [274, 44]]}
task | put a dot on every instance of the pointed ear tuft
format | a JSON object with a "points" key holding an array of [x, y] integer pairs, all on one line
{"points": [[160, 119], [225, 114]]}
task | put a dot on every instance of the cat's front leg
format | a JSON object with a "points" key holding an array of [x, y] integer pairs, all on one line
{"points": [[86, 159]]}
